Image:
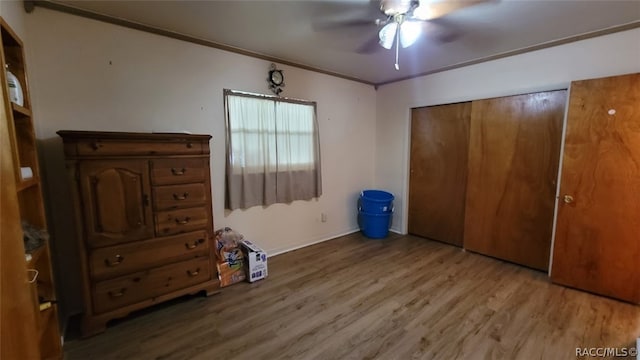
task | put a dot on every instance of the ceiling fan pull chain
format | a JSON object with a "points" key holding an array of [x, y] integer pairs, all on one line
{"points": [[398, 44]]}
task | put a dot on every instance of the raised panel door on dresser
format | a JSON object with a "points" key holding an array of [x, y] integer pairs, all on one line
{"points": [[144, 219], [121, 185]]}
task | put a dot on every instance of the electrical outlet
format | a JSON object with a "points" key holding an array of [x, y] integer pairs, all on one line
{"points": [[323, 217]]}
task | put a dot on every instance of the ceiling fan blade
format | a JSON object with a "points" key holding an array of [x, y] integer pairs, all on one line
{"points": [[348, 14], [442, 30], [437, 9], [370, 46], [337, 24]]}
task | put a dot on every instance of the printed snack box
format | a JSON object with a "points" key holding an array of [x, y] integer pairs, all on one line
{"points": [[230, 262]]}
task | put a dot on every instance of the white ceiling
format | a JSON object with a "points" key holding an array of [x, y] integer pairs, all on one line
{"points": [[297, 31]]}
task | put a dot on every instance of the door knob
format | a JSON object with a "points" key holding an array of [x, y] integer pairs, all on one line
{"points": [[568, 199]]}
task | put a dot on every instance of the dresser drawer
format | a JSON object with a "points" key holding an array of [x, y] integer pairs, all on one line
{"points": [[125, 290], [181, 221], [118, 260], [178, 171], [179, 196], [98, 148]]}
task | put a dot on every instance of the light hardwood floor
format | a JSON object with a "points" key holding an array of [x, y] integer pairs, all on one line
{"points": [[355, 298]]}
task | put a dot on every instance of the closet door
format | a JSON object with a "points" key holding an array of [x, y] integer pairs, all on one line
{"points": [[597, 243], [438, 175], [514, 151]]}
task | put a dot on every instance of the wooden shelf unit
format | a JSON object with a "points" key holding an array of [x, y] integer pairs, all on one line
{"points": [[29, 195]]}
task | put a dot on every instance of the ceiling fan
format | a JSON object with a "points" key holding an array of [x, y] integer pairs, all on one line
{"points": [[404, 20]]}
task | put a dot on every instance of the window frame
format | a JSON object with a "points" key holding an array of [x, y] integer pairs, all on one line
{"points": [[273, 98]]}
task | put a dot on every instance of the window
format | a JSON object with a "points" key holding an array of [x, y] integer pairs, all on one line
{"points": [[272, 150]]}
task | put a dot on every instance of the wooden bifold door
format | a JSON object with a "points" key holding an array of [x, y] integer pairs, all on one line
{"points": [[438, 175], [514, 151], [483, 174]]}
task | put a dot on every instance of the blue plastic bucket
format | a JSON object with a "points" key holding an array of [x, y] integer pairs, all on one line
{"points": [[375, 226], [376, 201]]}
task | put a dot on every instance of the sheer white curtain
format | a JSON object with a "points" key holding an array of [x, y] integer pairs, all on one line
{"points": [[272, 151]]}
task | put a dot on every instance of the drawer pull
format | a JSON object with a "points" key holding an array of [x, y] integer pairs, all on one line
{"points": [[178, 172], [181, 197], [183, 221], [117, 294], [96, 145], [193, 273], [118, 260], [194, 244]]}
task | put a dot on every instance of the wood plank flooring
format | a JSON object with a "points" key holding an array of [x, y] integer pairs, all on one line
{"points": [[355, 298]]}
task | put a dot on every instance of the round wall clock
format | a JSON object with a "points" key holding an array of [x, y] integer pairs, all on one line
{"points": [[276, 76], [276, 79]]}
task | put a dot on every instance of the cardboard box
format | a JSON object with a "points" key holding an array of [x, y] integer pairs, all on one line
{"points": [[255, 261], [230, 272]]}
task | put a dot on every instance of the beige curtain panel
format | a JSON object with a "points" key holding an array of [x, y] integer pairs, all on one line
{"points": [[273, 151]]}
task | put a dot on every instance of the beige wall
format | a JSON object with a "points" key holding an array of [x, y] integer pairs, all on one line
{"points": [[89, 75], [548, 69], [12, 11]]}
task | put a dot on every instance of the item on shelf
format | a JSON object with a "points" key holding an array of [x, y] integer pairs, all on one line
{"points": [[45, 305], [26, 173], [255, 261], [15, 89], [33, 275], [33, 237]]}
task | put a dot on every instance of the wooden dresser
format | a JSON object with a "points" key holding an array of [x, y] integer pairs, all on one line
{"points": [[144, 221]]}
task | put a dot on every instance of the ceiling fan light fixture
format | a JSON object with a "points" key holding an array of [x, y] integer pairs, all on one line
{"points": [[395, 7], [387, 35], [409, 33], [423, 11]]}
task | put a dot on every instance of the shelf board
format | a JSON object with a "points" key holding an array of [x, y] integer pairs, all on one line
{"points": [[21, 109], [36, 254], [25, 184]]}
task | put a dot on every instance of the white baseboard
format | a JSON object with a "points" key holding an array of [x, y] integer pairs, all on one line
{"points": [[323, 240], [278, 252]]}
